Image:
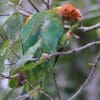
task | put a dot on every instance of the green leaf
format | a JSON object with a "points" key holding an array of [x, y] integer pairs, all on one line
{"points": [[12, 27], [16, 2], [29, 54], [5, 52]]}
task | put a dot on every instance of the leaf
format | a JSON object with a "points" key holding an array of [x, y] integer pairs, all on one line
{"points": [[13, 26], [5, 52], [29, 54], [16, 2]]}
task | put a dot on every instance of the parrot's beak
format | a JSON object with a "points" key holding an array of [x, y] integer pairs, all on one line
{"points": [[79, 18]]}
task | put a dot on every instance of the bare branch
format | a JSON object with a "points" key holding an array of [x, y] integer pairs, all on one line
{"points": [[70, 51], [85, 29], [14, 53], [21, 10], [4, 14], [54, 76], [2, 76], [87, 80], [90, 28], [45, 94], [46, 3], [33, 5], [75, 50], [23, 97], [10, 64]]}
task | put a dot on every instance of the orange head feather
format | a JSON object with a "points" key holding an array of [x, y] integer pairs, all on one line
{"points": [[70, 13]]}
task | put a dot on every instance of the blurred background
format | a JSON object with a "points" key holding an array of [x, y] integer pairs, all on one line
{"points": [[71, 70]]}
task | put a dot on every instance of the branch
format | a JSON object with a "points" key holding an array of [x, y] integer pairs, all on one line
{"points": [[14, 53], [23, 97], [87, 80], [4, 14], [85, 29], [54, 76], [75, 50], [2, 76], [46, 3], [89, 28], [49, 56], [45, 94], [33, 5], [21, 10]]}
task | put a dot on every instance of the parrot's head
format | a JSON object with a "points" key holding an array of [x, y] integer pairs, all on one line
{"points": [[70, 13]]}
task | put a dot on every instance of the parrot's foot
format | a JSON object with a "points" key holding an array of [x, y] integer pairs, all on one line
{"points": [[45, 56]]}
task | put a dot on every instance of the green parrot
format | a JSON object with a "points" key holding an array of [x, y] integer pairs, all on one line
{"points": [[43, 33]]}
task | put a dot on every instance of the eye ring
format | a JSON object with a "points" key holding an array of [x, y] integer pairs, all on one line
{"points": [[75, 19], [73, 10], [65, 10]]}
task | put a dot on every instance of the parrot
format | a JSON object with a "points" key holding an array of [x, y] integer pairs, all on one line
{"points": [[42, 33]]}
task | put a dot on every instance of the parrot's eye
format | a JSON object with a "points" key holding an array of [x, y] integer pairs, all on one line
{"points": [[65, 10], [75, 19], [73, 11]]}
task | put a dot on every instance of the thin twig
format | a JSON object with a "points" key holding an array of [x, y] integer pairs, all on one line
{"points": [[10, 64], [70, 51], [87, 80], [85, 29], [2, 36], [14, 53], [4, 14], [33, 5], [75, 50], [46, 3], [23, 97], [90, 28], [2, 76], [21, 10], [58, 93], [45, 94]]}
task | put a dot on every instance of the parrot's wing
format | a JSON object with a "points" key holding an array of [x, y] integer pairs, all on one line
{"points": [[41, 35]]}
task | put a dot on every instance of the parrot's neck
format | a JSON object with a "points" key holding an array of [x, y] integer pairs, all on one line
{"points": [[57, 10]]}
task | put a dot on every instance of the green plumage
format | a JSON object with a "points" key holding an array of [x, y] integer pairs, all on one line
{"points": [[42, 34]]}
